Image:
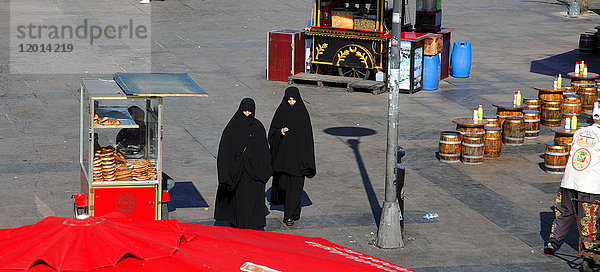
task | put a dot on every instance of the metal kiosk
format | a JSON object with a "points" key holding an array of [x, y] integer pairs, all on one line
{"points": [[120, 146]]}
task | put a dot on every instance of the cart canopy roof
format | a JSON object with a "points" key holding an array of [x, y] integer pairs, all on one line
{"points": [[158, 84]]}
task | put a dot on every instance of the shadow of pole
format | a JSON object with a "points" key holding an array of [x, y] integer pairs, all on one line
{"points": [[374, 203], [353, 143]]}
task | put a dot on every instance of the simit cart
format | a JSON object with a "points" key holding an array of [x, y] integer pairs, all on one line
{"points": [[121, 132]]}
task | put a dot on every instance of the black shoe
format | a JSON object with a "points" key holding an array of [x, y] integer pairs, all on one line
{"points": [[550, 248], [289, 222]]}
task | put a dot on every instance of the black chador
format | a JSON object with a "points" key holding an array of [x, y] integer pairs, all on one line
{"points": [[292, 153], [243, 167]]}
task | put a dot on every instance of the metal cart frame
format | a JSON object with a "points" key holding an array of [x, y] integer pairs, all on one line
{"points": [[140, 197]]}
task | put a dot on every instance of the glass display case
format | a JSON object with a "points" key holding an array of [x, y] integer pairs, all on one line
{"points": [[350, 14], [121, 142]]}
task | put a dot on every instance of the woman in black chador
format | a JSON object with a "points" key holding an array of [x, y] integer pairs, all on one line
{"points": [[292, 153], [243, 167]]}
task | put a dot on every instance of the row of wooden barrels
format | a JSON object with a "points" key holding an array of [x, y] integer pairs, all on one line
{"points": [[579, 97], [557, 106], [472, 147], [554, 111], [469, 144]]}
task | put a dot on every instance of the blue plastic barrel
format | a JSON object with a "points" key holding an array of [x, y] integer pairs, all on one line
{"points": [[431, 72], [461, 59]]}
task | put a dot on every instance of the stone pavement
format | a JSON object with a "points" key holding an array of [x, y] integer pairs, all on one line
{"points": [[492, 217]]}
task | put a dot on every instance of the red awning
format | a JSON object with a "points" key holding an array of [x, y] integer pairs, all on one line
{"points": [[101, 244]]}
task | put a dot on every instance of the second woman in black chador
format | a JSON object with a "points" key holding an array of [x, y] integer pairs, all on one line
{"points": [[243, 166], [292, 153]]}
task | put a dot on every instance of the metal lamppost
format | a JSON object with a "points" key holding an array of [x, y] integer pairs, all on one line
{"points": [[390, 231]]}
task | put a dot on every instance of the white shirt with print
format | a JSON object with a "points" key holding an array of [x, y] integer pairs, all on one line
{"points": [[583, 166]]}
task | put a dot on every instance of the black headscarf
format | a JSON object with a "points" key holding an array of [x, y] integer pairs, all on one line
{"points": [[243, 147], [294, 152]]}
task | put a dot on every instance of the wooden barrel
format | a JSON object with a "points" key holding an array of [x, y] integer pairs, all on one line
{"points": [[551, 113], [563, 139], [513, 131], [470, 130], [555, 158], [571, 105], [532, 123], [588, 96], [472, 149], [586, 42], [449, 148], [569, 89], [549, 96], [578, 84], [533, 103], [492, 142], [504, 113], [492, 121]]}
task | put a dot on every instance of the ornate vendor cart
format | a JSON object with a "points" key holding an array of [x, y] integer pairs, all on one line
{"points": [[351, 36], [121, 131]]}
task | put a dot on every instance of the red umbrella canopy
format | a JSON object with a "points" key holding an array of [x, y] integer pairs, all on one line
{"points": [[111, 244]]}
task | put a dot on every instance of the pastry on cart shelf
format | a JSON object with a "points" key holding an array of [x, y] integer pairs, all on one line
{"points": [[123, 174], [106, 121]]}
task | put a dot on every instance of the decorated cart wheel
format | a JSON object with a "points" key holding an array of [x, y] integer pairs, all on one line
{"points": [[354, 72]]}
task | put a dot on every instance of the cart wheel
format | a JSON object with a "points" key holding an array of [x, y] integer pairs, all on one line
{"points": [[354, 72]]}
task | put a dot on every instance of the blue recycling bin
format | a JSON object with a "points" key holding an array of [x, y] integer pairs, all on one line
{"points": [[431, 72], [461, 59]]}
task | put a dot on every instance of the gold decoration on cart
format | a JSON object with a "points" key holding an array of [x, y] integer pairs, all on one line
{"points": [[363, 58], [588, 228], [320, 50], [345, 33], [359, 51], [342, 56]]}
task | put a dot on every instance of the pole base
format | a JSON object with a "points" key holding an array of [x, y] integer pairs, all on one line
{"points": [[390, 233]]}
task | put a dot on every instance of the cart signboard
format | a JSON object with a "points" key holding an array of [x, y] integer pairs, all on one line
{"points": [[411, 64]]}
